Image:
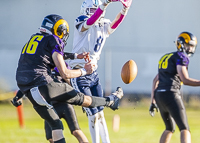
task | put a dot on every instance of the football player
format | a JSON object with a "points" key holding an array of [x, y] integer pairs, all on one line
{"points": [[40, 54], [64, 110], [166, 94], [90, 33]]}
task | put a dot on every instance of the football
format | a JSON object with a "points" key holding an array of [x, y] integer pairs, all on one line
{"points": [[129, 71]]}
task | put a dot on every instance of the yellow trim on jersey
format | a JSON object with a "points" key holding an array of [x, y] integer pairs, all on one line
{"points": [[57, 24]]}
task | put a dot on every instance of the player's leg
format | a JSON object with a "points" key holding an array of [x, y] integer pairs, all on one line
{"points": [[64, 92], [84, 84], [162, 100], [185, 136], [51, 140], [48, 132], [80, 136], [166, 136], [94, 128], [48, 114], [111, 101], [92, 114], [67, 112], [178, 112], [103, 128]]}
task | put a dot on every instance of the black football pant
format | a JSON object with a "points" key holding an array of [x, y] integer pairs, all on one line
{"points": [[54, 91], [172, 110], [67, 112]]}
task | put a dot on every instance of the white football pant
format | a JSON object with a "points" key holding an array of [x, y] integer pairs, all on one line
{"points": [[97, 125]]}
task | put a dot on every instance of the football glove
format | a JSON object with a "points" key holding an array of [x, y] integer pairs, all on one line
{"points": [[152, 109], [16, 102]]}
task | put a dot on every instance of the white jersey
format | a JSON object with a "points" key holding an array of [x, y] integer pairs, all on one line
{"points": [[91, 40]]}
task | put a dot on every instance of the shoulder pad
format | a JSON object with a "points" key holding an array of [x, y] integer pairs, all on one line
{"points": [[80, 20]]}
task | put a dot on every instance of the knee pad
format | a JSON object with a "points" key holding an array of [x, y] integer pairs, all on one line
{"points": [[56, 124]]}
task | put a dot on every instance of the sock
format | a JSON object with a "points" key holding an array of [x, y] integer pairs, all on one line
{"points": [[99, 101]]}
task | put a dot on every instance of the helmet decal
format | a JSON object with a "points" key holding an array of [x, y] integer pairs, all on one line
{"points": [[50, 25], [185, 36], [59, 23]]}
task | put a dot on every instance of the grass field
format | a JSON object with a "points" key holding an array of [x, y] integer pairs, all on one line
{"points": [[136, 126]]}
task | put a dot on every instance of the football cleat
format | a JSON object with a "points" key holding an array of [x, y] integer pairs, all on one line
{"points": [[114, 98]]}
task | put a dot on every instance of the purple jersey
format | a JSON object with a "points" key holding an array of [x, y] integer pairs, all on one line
{"points": [[168, 76], [35, 63]]}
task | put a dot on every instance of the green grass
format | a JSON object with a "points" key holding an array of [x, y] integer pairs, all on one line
{"points": [[136, 126]]}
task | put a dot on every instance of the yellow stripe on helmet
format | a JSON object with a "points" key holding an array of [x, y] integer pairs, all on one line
{"points": [[57, 24], [186, 37]]}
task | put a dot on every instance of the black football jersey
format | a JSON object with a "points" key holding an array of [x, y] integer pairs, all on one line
{"points": [[35, 63], [168, 76]]}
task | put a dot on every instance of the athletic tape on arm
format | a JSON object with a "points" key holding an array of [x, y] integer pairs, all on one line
{"points": [[116, 24]]}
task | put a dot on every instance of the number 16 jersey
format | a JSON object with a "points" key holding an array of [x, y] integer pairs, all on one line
{"points": [[36, 62]]}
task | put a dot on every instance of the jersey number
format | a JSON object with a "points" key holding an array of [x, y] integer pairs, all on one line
{"points": [[163, 63], [32, 45], [98, 45]]}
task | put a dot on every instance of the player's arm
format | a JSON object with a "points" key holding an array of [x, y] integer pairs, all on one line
{"points": [[120, 16], [90, 21], [184, 76], [67, 73], [153, 105], [154, 86]]}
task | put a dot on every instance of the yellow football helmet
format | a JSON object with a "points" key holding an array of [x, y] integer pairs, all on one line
{"points": [[186, 38], [55, 24]]}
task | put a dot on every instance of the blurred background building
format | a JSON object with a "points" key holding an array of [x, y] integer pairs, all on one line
{"points": [[148, 31]]}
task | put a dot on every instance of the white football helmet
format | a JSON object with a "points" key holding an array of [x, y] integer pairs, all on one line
{"points": [[89, 7]]}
